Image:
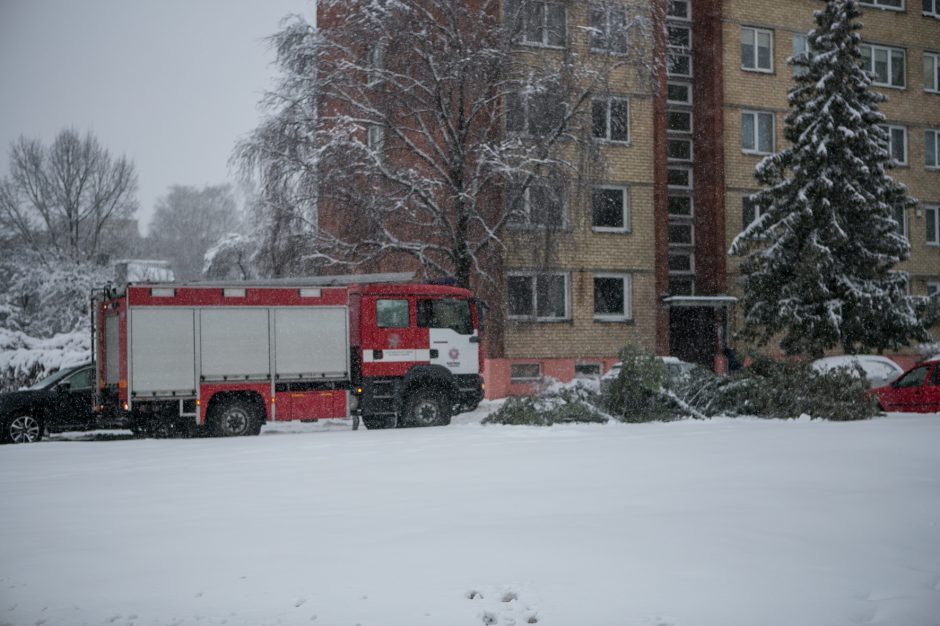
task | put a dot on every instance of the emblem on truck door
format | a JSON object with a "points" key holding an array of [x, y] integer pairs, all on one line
{"points": [[394, 341], [454, 354]]}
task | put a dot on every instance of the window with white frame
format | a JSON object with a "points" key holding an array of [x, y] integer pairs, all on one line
{"points": [[800, 46], [900, 217], [933, 288], [678, 10], [610, 209], [538, 295], [679, 205], [932, 148], [897, 5], [757, 132], [679, 121], [679, 36], [525, 372], [678, 63], [679, 93], [886, 65], [681, 234], [608, 23], [540, 205], [750, 211], [932, 224], [757, 46], [932, 71], [679, 177], [612, 297], [587, 370], [537, 114], [932, 8], [897, 143], [538, 23], [681, 262], [679, 149], [610, 119]]}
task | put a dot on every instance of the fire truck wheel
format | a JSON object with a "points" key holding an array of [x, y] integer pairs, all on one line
{"points": [[427, 407], [235, 418]]}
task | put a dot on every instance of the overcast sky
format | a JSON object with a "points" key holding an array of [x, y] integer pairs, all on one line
{"points": [[172, 84]]}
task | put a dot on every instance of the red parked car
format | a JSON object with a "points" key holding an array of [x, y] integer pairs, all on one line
{"points": [[916, 391]]}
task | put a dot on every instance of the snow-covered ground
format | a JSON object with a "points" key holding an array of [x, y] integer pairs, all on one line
{"points": [[694, 523]]}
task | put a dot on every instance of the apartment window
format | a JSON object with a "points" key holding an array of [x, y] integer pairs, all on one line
{"points": [[679, 93], [933, 288], [680, 177], [884, 4], [679, 206], [932, 148], [885, 64], [608, 24], [681, 234], [612, 297], [537, 114], [679, 149], [525, 372], [609, 208], [678, 63], [932, 8], [541, 205], [540, 296], [932, 224], [679, 36], [900, 217], [757, 49], [679, 9], [538, 23], [800, 46], [679, 121], [897, 143], [757, 132], [587, 370], [681, 262], [681, 285], [610, 119], [932, 71], [750, 211]]}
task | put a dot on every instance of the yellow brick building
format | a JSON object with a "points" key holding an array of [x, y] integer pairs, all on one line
{"points": [[683, 171]]}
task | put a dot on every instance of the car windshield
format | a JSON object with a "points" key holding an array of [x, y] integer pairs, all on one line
{"points": [[52, 379]]}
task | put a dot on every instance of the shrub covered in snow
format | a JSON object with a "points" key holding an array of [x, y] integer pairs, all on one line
{"points": [[638, 393], [558, 404], [25, 359]]}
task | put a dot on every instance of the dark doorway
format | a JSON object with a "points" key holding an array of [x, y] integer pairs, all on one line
{"points": [[692, 334]]}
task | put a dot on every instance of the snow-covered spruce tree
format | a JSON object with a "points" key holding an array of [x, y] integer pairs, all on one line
{"points": [[819, 258], [386, 130]]}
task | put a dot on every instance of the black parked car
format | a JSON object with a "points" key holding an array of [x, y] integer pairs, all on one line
{"points": [[60, 402]]}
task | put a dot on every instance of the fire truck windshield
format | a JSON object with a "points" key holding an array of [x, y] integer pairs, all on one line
{"points": [[452, 314]]}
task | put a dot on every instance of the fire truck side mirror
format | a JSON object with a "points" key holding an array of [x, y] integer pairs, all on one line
{"points": [[475, 339]]}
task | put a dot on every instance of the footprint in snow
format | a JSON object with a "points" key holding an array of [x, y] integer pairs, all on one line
{"points": [[300, 603], [509, 596], [474, 595], [488, 618], [532, 620]]}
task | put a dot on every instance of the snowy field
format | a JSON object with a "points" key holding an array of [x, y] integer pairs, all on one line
{"points": [[717, 523]]}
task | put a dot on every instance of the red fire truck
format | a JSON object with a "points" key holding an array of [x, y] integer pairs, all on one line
{"points": [[226, 357]]}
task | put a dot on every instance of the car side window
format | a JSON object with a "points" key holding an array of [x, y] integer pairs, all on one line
{"points": [[914, 378], [935, 381], [83, 379]]}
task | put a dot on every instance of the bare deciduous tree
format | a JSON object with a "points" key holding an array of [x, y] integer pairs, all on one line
{"points": [[60, 199], [417, 130], [187, 221]]}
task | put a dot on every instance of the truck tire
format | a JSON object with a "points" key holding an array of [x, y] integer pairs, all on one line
{"points": [[234, 417], [427, 407], [22, 428]]}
